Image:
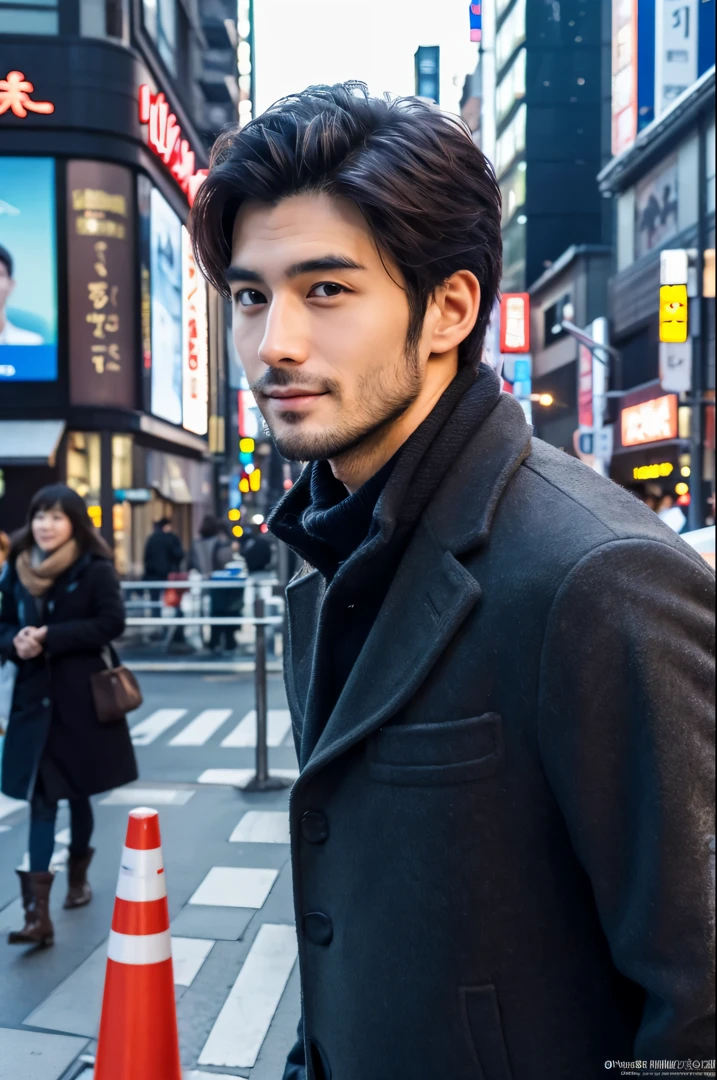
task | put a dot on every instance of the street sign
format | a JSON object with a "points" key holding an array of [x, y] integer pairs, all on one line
{"points": [[676, 366], [603, 443], [585, 442], [673, 313]]}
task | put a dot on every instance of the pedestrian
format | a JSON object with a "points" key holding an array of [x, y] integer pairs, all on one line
{"points": [[163, 557], [5, 546], [210, 552], [256, 550], [61, 607], [671, 513], [499, 665]]}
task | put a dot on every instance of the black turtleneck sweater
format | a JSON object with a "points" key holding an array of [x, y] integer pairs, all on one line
{"points": [[356, 541]]}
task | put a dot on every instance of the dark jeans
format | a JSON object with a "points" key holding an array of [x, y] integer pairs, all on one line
{"points": [[43, 814], [225, 602]]}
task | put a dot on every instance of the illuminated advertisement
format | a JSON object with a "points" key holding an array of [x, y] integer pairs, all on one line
{"points": [[195, 361], [650, 421], [515, 323], [100, 254], [166, 308], [624, 74], [28, 270]]}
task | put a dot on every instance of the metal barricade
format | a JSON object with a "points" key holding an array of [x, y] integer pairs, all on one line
{"points": [[262, 780]]}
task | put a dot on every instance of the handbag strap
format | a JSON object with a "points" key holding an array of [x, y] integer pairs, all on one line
{"points": [[109, 657]]}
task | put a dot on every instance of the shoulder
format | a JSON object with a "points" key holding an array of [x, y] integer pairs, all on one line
{"points": [[100, 570], [557, 515]]}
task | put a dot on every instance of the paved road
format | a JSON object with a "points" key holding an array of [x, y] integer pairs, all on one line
{"points": [[226, 856]]}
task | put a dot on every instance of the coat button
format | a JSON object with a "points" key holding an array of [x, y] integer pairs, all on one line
{"points": [[318, 928], [46, 702], [314, 827]]}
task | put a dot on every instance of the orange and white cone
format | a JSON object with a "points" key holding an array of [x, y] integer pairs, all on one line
{"points": [[138, 1032]]}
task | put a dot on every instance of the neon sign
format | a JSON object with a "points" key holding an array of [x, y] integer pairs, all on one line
{"points": [[651, 421], [164, 137], [15, 93]]}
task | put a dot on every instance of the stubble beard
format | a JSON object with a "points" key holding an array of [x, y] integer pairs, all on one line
{"points": [[382, 397]]}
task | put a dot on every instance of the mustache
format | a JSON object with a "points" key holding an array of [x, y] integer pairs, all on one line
{"points": [[275, 378]]}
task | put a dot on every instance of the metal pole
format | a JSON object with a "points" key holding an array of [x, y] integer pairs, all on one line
{"points": [[261, 781], [262, 756], [696, 509]]}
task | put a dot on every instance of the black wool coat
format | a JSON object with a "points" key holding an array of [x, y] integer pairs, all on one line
{"points": [[53, 727], [503, 836]]}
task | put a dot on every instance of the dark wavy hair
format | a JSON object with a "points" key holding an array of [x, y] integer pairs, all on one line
{"points": [[426, 192], [72, 504]]}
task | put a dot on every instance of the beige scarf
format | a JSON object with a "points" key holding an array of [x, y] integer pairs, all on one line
{"points": [[38, 579]]}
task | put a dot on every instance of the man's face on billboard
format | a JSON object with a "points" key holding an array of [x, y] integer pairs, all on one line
{"points": [[320, 325], [6, 284]]}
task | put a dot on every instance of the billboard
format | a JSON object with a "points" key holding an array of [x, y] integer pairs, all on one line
{"points": [[28, 270], [100, 256], [657, 207], [515, 323], [624, 74], [651, 421], [195, 356], [166, 308]]}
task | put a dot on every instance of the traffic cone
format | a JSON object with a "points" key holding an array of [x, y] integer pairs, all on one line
{"points": [[138, 1031]]}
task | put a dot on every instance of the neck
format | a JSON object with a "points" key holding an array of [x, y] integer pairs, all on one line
{"points": [[358, 465], [2, 319]]}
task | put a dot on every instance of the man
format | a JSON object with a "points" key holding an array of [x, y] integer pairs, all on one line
{"points": [[9, 333], [499, 665], [164, 555]]}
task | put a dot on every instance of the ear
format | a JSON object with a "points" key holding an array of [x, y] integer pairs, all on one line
{"points": [[453, 312]]}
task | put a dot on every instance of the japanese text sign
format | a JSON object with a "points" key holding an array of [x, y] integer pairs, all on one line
{"points": [[100, 239], [650, 421], [164, 136]]}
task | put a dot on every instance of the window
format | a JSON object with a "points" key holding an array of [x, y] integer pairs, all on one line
{"points": [[28, 17], [512, 190], [160, 21], [83, 465], [104, 19], [553, 318], [511, 87], [510, 142], [710, 154], [510, 35]]}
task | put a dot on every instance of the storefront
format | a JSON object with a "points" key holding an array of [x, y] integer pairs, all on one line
{"points": [[651, 455], [111, 352], [663, 187]]}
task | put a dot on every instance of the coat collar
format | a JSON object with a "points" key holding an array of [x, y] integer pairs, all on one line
{"points": [[430, 596]]}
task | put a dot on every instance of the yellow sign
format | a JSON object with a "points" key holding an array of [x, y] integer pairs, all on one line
{"points": [[652, 472], [673, 313]]}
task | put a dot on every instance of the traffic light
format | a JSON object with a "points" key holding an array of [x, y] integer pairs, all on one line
{"points": [[673, 313]]}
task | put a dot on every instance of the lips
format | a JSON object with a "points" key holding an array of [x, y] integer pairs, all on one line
{"points": [[284, 395]]}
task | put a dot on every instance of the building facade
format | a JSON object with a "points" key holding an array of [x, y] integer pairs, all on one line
{"points": [[663, 190], [112, 349]]}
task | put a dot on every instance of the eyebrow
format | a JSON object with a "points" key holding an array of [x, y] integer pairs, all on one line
{"points": [[309, 266]]}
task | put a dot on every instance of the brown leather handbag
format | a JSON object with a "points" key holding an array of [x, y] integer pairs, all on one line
{"points": [[115, 691]]}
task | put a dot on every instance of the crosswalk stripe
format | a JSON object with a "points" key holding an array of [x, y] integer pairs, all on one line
{"points": [[155, 725], [9, 806], [134, 796], [244, 734], [240, 777], [245, 1018], [262, 827], [201, 729], [188, 955], [235, 886]]}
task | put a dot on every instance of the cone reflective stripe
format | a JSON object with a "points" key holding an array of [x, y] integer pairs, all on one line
{"points": [[138, 1032]]}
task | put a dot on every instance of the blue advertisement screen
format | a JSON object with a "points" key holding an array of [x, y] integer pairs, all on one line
{"points": [[28, 270]]}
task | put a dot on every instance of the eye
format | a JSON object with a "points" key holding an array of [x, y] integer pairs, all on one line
{"points": [[249, 298], [331, 289]]}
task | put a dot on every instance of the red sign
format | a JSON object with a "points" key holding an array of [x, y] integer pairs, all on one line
{"points": [[164, 137], [624, 74], [515, 323], [652, 421], [15, 93], [585, 387]]}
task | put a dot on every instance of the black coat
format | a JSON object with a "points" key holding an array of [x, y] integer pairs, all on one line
{"points": [[53, 725], [503, 837], [163, 555]]}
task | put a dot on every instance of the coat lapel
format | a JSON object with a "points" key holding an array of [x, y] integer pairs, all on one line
{"points": [[304, 596], [429, 598]]}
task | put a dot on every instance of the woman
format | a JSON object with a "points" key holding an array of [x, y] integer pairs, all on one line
{"points": [[61, 605]]}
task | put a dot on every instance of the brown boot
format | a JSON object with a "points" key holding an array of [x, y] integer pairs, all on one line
{"points": [[79, 892], [38, 930]]}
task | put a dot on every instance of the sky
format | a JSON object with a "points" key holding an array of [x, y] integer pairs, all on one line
{"points": [[299, 42]]}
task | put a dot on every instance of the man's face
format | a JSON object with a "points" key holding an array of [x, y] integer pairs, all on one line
{"points": [[320, 325], [6, 285]]}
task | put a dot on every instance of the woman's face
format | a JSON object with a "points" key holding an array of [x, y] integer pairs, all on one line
{"points": [[51, 528]]}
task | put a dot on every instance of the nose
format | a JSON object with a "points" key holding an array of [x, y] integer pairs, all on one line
{"points": [[285, 337]]}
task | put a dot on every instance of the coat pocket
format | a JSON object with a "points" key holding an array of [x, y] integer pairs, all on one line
{"points": [[451, 752], [484, 1030]]}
